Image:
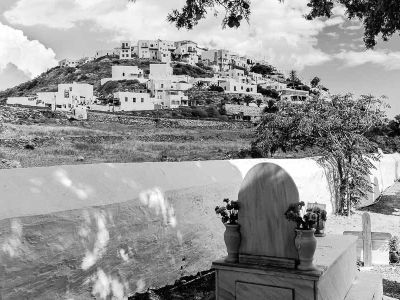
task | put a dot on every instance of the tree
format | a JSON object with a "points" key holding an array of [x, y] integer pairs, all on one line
{"points": [[216, 88], [315, 82], [293, 79], [379, 17], [263, 69], [259, 102], [247, 99], [267, 92], [336, 130]]}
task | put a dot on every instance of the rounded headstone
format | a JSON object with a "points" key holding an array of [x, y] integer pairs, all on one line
{"points": [[267, 236]]}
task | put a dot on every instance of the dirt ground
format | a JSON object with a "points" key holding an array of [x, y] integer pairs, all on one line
{"points": [[385, 217]]}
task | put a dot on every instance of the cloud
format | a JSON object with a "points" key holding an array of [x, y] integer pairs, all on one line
{"points": [[386, 59], [108, 287], [31, 57], [100, 244], [61, 14], [13, 243], [154, 199], [353, 27], [277, 31], [11, 76]]}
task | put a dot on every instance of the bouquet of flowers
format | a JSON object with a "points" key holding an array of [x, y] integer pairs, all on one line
{"points": [[229, 212], [303, 221], [321, 213]]}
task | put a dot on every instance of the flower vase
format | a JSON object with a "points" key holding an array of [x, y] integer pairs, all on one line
{"points": [[306, 243], [232, 241], [320, 228]]}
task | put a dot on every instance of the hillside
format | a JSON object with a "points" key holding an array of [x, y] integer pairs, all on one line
{"points": [[92, 72]]}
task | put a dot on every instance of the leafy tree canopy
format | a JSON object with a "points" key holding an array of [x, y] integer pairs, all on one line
{"points": [[337, 130], [315, 82], [262, 69], [379, 17]]}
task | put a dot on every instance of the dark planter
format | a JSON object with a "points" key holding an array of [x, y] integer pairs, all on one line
{"points": [[232, 241], [394, 257]]}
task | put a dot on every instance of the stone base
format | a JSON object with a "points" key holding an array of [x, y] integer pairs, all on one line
{"points": [[335, 280], [367, 285]]}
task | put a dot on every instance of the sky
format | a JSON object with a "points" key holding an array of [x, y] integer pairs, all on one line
{"points": [[35, 34]]}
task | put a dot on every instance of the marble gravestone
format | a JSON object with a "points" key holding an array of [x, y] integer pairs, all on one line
{"points": [[268, 258], [264, 196]]}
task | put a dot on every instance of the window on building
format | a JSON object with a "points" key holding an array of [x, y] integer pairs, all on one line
{"points": [[241, 87], [126, 99], [162, 85], [142, 100], [234, 88], [123, 74], [134, 100]]}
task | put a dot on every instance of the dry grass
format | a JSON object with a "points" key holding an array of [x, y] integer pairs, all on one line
{"points": [[99, 142]]}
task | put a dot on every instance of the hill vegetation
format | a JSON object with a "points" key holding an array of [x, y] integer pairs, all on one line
{"points": [[91, 73]]}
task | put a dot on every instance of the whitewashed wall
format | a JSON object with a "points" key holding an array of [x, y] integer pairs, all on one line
{"points": [[115, 229]]}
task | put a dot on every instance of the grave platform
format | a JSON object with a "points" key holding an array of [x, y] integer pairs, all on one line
{"points": [[336, 277]]}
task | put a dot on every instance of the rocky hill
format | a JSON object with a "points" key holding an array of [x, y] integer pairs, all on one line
{"points": [[92, 72]]}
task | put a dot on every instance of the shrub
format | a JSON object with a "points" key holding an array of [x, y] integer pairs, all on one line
{"points": [[216, 88], [199, 113], [109, 87], [212, 112]]}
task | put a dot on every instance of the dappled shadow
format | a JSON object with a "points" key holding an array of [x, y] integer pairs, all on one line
{"points": [[386, 205], [200, 286], [391, 288]]}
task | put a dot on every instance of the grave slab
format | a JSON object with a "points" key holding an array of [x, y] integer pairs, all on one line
{"points": [[268, 258], [335, 258]]}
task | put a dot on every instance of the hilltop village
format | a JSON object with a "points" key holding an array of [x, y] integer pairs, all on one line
{"points": [[247, 83]]}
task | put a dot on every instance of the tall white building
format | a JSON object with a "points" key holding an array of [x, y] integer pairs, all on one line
{"points": [[155, 50], [187, 52], [167, 89]]}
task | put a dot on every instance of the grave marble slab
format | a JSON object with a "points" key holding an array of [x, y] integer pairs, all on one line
{"points": [[336, 260], [267, 237]]}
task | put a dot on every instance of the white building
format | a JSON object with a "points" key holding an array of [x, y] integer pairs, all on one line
{"points": [[256, 78], [155, 50], [168, 89], [187, 52], [160, 71], [109, 52], [48, 99], [127, 51], [26, 101], [274, 85], [226, 60], [234, 86], [125, 73], [67, 97], [133, 101], [68, 63], [294, 95]]}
